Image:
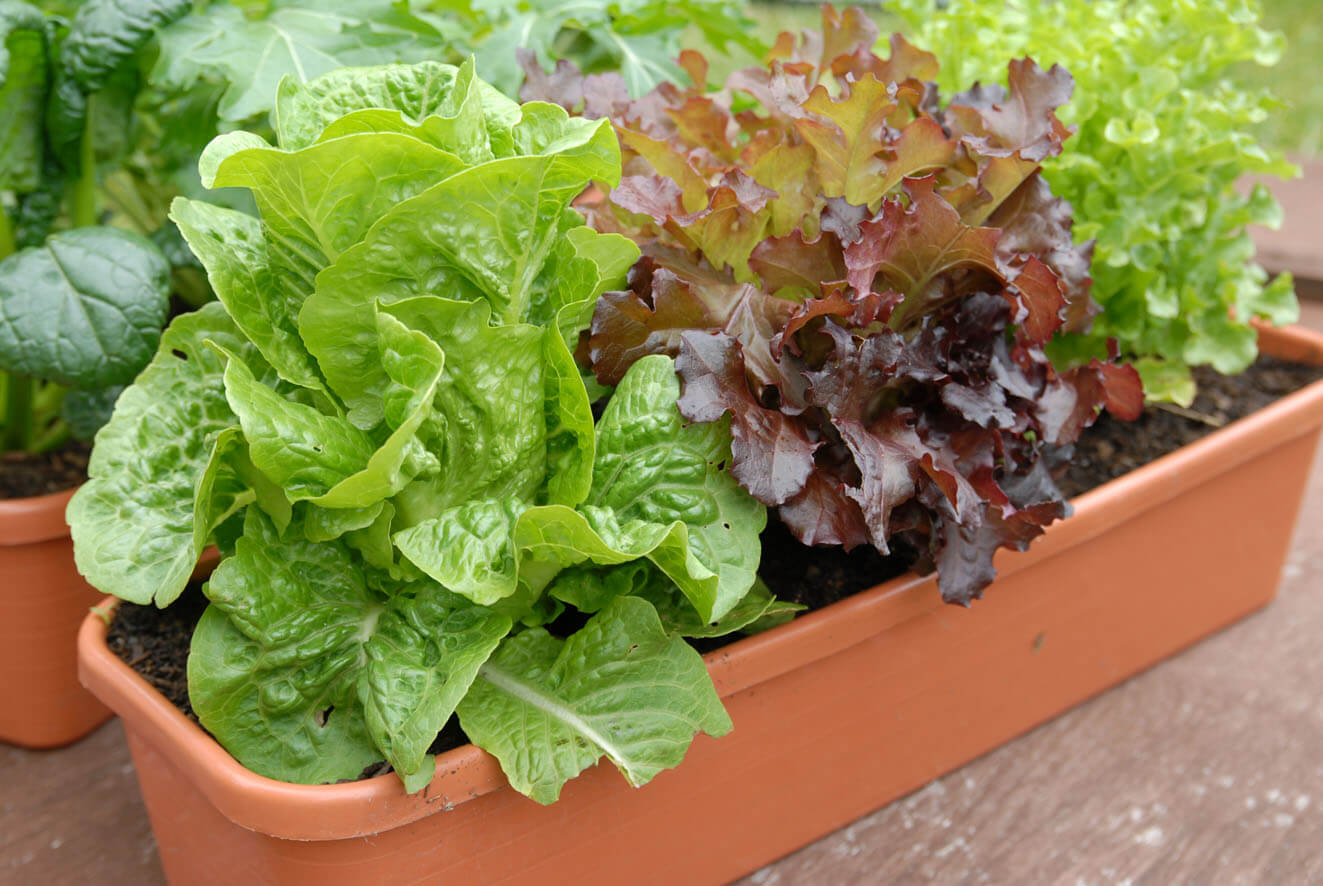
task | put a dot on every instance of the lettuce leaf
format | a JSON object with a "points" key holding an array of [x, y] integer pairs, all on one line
{"points": [[1163, 137], [860, 279], [384, 414], [307, 672], [133, 520], [621, 688], [659, 491]]}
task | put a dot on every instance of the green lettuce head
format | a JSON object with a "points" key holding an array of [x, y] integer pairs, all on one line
{"points": [[382, 427], [1164, 134]]}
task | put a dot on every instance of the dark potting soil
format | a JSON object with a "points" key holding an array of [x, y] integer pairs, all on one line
{"points": [[1111, 448], [155, 642], [818, 577], [25, 476]]}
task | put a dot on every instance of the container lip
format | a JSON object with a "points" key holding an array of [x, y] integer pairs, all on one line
{"points": [[32, 520], [363, 808]]}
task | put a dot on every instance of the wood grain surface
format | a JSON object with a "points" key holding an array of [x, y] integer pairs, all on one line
{"points": [[1206, 769]]}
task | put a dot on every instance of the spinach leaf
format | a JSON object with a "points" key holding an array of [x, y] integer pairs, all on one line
{"points": [[24, 79], [85, 309]]}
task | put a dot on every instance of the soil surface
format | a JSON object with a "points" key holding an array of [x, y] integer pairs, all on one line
{"points": [[25, 476], [1111, 448], [155, 642], [818, 577]]}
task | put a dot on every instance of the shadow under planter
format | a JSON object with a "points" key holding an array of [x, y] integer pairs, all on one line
{"points": [[43, 599], [835, 714]]}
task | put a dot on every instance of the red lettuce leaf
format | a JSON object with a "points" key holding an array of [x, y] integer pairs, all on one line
{"points": [[861, 279]]}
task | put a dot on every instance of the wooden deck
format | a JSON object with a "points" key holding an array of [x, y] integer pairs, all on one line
{"points": [[1205, 769]]}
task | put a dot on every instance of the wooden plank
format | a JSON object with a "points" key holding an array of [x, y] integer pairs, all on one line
{"points": [[74, 815]]}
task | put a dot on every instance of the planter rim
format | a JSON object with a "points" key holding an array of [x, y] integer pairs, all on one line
{"points": [[370, 806], [31, 520]]}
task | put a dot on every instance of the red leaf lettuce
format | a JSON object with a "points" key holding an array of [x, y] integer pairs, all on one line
{"points": [[863, 277]]}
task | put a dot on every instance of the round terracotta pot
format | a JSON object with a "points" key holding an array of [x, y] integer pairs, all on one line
{"points": [[42, 601]]}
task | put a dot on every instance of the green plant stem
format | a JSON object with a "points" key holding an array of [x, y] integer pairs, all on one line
{"points": [[84, 210], [190, 286], [7, 244], [53, 437], [123, 196], [18, 413]]}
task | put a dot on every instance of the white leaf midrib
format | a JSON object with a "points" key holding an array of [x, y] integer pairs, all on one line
{"points": [[535, 697]]}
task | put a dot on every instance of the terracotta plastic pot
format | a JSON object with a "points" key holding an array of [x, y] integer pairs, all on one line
{"points": [[835, 714], [43, 599]]}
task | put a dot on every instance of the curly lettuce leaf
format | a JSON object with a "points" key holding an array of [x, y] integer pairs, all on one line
{"points": [[307, 673], [1163, 137], [133, 521], [860, 278], [621, 687], [659, 491]]}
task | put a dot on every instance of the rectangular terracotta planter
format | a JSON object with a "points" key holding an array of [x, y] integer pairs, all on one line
{"points": [[836, 713], [43, 600]]}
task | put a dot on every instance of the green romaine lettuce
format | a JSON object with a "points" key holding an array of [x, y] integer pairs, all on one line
{"points": [[386, 391]]}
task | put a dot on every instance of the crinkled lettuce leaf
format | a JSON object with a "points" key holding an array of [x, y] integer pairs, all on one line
{"points": [[453, 240], [233, 249], [307, 672], [444, 106], [383, 425], [133, 520], [659, 490], [622, 687]]}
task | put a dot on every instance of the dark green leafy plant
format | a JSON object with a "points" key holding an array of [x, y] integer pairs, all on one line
{"points": [[1163, 137], [382, 426], [245, 54], [80, 308], [637, 38]]}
